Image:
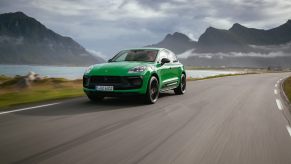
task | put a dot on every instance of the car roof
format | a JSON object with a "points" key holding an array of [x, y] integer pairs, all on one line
{"points": [[146, 48]]}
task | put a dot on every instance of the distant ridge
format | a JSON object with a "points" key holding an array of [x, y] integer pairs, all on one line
{"points": [[236, 39], [176, 42], [24, 40], [238, 46]]}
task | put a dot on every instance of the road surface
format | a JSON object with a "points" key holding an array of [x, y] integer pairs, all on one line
{"points": [[231, 120]]}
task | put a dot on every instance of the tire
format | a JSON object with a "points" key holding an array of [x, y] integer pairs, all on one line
{"points": [[181, 89], [95, 98], [152, 94]]}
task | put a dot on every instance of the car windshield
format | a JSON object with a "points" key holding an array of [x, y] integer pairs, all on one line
{"points": [[136, 55]]}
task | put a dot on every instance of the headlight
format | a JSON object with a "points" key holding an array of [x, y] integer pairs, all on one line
{"points": [[89, 69], [137, 69]]}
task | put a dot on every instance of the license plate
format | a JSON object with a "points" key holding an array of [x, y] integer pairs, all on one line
{"points": [[104, 88]]}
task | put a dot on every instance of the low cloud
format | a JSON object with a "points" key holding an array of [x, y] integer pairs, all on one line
{"points": [[221, 55]]}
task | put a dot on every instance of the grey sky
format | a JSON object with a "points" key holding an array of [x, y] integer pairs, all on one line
{"points": [[106, 26]]}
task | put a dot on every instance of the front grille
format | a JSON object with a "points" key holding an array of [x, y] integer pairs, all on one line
{"points": [[118, 82], [105, 79]]}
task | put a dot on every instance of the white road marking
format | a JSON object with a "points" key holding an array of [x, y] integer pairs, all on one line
{"points": [[34, 107], [289, 129], [279, 104], [276, 85], [275, 91]]}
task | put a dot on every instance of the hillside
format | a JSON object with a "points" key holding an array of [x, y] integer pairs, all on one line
{"points": [[24, 40], [236, 39], [239, 38], [238, 46], [177, 42]]}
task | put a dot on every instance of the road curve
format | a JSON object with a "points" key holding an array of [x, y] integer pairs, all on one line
{"points": [[233, 120]]}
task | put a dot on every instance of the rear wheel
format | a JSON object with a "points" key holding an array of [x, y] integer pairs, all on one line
{"points": [[153, 91], [181, 89], [95, 98]]}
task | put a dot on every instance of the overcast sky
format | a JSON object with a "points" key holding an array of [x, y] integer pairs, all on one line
{"points": [[106, 26]]}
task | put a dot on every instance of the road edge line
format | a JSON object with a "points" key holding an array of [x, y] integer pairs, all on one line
{"points": [[279, 104], [288, 129], [29, 108]]}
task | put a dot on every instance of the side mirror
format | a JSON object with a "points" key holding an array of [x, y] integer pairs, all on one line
{"points": [[109, 60], [165, 60]]}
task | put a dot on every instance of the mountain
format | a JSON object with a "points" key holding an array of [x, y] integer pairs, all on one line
{"points": [[238, 46], [236, 39], [177, 42], [218, 40], [239, 38], [24, 40], [278, 35]]}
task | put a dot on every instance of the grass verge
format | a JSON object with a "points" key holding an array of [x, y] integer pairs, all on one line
{"points": [[43, 90], [287, 88], [4, 78]]}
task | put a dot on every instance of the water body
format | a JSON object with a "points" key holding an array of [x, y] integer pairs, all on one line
{"points": [[50, 71], [77, 72], [207, 73]]}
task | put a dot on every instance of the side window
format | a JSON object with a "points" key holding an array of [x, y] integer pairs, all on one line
{"points": [[163, 54], [173, 57]]}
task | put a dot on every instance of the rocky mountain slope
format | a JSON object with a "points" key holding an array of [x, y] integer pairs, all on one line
{"points": [[240, 38], [236, 39], [177, 42], [24, 40], [238, 46]]}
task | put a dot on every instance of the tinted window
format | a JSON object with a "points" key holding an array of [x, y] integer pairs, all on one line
{"points": [[136, 55], [163, 54], [173, 57]]}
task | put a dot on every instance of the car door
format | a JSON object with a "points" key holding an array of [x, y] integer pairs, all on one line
{"points": [[174, 68], [164, 72]]}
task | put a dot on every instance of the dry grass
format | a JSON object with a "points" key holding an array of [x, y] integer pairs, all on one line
{"points": [[47, 89], [287, 88]]}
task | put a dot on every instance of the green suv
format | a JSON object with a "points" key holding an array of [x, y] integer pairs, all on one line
{"points": [[142, 71]]}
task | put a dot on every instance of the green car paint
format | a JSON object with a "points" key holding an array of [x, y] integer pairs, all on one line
{"points": [[168, 74]]}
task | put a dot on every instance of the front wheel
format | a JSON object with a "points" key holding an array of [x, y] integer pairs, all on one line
{"points": [[181, 89], [153, 91]]}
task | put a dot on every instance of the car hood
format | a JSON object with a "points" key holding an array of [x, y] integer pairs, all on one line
{"points": [[115, 68]]}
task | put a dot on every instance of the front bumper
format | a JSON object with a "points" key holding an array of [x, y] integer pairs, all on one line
{"points": [[122, 85], [112, 94]]}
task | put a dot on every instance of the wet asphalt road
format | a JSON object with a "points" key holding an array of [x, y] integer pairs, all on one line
{"points": [[233, 120]]}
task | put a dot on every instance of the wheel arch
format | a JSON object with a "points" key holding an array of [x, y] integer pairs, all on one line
{"points": [[156, 75], [184, 72]]}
